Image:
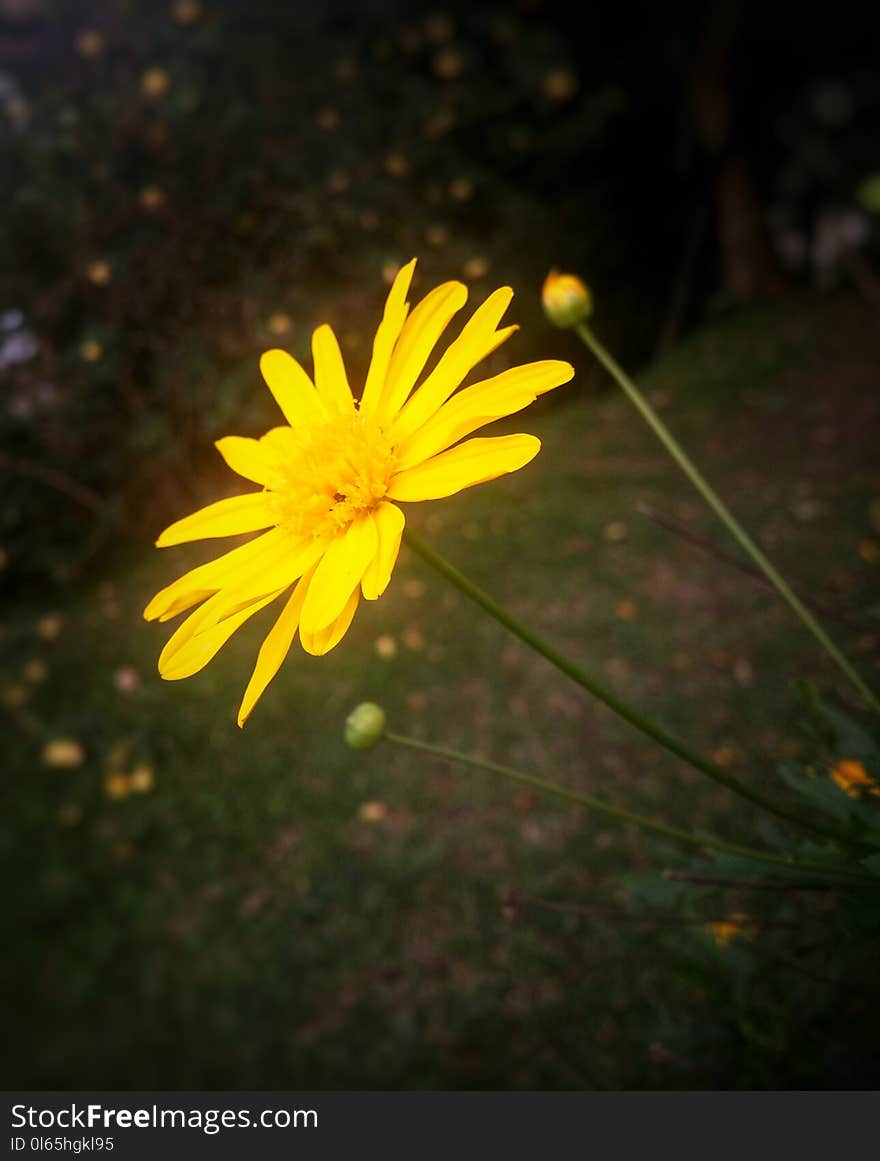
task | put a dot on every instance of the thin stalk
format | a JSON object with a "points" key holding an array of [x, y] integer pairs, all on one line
{"points": [[722, 511], [598, 690], [587, 801]]}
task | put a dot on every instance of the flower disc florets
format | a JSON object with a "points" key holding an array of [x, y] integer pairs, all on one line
{"points": [[330, 474]]}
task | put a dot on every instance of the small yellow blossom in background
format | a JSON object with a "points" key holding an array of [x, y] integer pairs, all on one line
{"points": [[151, 198], [330, 480], [372, 812], [396, 165], [560, 85], [35, 671], [91, 351], [733, 925], [89, 43], [142, 779], [186, 12], [869, 551], [448, 64], [566, 299], [476, 268], [615, 531], [116, 785], [50, 626], [155, 83], [386, 647], [853, 779], [327, 119], [63, 753], [98, 272], [279, 324], [626, 611], [461, 190]]}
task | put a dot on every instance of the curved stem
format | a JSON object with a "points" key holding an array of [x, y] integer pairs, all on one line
{"points": [[723, 512], [703, 842], [608, 697]]}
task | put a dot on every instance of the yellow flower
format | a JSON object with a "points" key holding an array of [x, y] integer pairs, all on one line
{"points": [[735, 924], [853, 779], [63, 753], [142, 779], [332, 477], [566, 299], [151, 198], [99, 272], [155, 83], [89, 43], [90, 351], [187, 12]]}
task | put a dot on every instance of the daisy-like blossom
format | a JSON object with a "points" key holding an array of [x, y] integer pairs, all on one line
{"points": [[331, 478]]}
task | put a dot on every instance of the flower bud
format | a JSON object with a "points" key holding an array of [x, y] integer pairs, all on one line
{"points": [[365, 726], [566, 299]]}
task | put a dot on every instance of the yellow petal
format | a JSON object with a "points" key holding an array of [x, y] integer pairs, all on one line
{"points": [[229, 517], [249, 457], [396, 309], [417, 340], [340, 570], [472, 462], [293, 390], [201, 582], [478, 339], [331, 382], [274, 649], [475, 406], [328, 638], [276, 570], [187, 652], [389, 521]]}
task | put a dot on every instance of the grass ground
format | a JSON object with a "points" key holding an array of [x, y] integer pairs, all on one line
{"points": [[279, 912]]}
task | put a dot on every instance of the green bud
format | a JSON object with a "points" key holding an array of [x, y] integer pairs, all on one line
{"points": [[566, 299], [365, 726]]}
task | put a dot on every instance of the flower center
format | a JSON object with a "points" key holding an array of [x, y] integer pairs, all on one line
{"points": [[330, 473]]}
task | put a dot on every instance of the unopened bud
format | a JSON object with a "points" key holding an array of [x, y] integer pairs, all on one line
{"points": [[365, 726], [566, 299]]}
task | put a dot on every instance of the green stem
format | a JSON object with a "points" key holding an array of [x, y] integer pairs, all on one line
{"points": [[722, 511], [608, 697], [703, 842]]}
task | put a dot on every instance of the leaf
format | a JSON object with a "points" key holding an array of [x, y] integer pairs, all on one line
{"points": [[852, 741]]}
